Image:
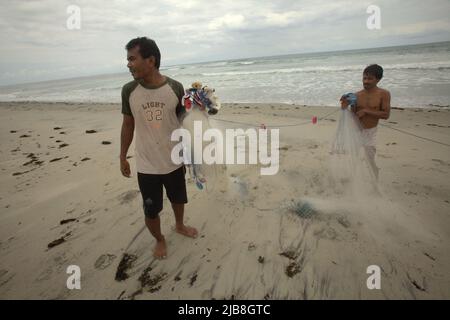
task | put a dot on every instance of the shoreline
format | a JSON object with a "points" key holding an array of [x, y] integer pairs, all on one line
{"points": [[224, 104]]}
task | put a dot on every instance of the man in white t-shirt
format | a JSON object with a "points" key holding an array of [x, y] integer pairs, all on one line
{"points": [[151, 107]]}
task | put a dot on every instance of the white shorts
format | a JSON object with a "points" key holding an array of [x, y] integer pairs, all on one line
{"points": [[368, 137]]}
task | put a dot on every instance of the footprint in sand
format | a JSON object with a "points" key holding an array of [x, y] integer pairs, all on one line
{"points": [[90, 221], [326, 233], [45, 275], [5, 276], [104, 261], [441, 162], [128, 196], [344, 222]]}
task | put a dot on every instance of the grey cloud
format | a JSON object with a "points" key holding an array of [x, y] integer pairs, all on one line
{"points": [[36, 41]]}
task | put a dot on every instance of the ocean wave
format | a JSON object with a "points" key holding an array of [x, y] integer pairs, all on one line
{"points": [[8, 97], [245, 63], [217, 64], [281, 70], [105, 88], [436, 65], [317, 69]]}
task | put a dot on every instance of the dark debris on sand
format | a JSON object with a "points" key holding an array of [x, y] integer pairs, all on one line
{"points": [[151, 283], [57, 242], [121, 294], [133, 295], [292, 269], [55, 159], [177, 277], [67, 221], [125, 264], [34, 160], [291, 255], [429, 256], [20, 173], [415, 284], [193, 279]]}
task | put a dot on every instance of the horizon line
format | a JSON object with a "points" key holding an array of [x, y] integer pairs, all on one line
{"points": [[222, 60]]}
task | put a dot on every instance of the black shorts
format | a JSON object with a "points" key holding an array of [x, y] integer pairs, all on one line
{"points": [[151, 186]]}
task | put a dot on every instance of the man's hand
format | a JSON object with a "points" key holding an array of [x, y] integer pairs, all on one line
{"points": [[344, 102], [361, 113], [126, 136], [125, 168]]}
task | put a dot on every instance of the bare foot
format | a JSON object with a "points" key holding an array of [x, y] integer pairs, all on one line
{"points": [[187, 231], [160, 251]]}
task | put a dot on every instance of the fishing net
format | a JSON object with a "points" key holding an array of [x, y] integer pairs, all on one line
{"points": [[350, 167], [205, 176]]}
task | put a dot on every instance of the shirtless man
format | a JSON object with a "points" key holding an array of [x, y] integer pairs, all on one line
{"points": [[373, 103]]}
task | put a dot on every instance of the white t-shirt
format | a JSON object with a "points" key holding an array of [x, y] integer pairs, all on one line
{"points": [[156, 112]]}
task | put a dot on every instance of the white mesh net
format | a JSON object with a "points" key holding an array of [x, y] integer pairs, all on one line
{"points": [[350, 167]]}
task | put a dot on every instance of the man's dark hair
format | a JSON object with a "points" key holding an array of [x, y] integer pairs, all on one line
{"points": [[147, 48], [374, 70]]}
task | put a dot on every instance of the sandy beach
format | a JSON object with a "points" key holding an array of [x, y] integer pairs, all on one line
{"points": [[63, 201]]}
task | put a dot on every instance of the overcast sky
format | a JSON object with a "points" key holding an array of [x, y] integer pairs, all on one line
{"points": [[36, 44]]}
